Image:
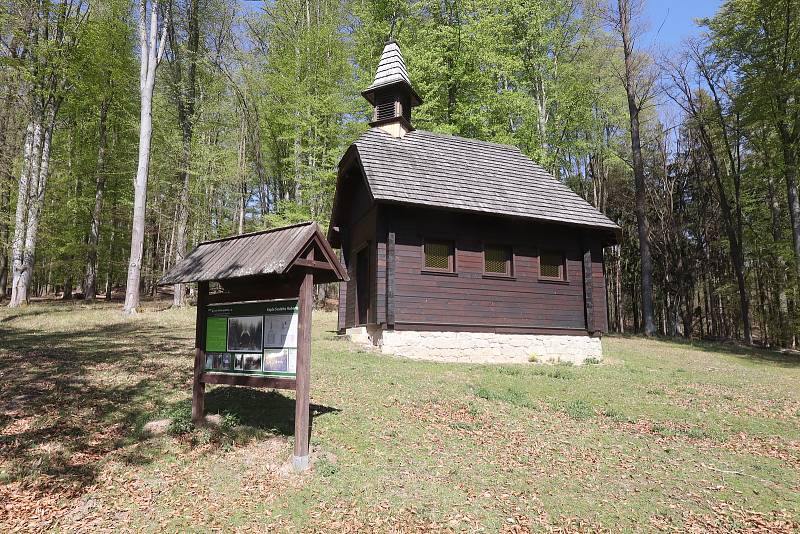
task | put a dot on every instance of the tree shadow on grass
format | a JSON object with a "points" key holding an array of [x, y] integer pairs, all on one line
{"points": [[751, 354], [72, 395], [270, 411], [70, 398]]}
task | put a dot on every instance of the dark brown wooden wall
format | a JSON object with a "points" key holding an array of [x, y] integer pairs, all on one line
{"points": [[600, 297], [468, 299], [474, 301]]}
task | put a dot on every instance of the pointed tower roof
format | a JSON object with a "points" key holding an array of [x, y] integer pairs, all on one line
{"points": [[391, 71]]}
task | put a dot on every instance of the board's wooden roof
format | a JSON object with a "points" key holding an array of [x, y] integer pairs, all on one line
{"points": [[270, 252], [446, 171]]}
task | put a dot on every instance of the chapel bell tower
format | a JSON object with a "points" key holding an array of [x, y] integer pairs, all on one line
{"points": [[391, 93]]}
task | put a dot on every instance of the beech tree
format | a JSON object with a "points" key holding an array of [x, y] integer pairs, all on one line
{"points": [[152, 51], [183, 62], [52, 34]]}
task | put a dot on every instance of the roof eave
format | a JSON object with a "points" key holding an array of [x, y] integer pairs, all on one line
{"points": [[614, 231], [369, 92], [351, 157]]}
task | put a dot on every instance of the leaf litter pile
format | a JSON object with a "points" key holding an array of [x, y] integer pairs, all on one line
{"points": [[397, 446]]}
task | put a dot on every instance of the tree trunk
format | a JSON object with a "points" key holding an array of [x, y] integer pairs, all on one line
{"points": [[182, 218], [67, 294], [90, 283], [8, 131], [790, 174], [33, 143], [37, 202], [5, 200], [30, 199], [151, 53], [139, 203], [186, 111], [638, 172], [110, 261], [618, 293], [778, 292]]}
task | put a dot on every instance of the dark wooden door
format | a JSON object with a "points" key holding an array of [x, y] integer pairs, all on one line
{"points": [[362, 286]]}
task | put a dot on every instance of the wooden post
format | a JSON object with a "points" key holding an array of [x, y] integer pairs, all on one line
{"points": [[301, 411], [198, 387], [588, 289], [390, 277], [340, 325]]}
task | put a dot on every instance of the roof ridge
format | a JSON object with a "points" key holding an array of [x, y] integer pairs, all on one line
{"points": [[259, 232], [470, 139]]}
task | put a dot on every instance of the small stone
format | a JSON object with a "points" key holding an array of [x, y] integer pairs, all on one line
{"points": [[157, 427]]}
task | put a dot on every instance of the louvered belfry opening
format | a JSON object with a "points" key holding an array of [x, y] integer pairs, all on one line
{"points": [[391, 92], [385, 107]]}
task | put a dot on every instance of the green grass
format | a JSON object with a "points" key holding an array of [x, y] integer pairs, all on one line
{"points": [[660, 435]]}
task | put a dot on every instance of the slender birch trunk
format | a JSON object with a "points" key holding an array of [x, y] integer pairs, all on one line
{"points": [[152, 50]]}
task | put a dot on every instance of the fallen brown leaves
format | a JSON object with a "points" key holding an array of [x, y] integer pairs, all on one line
{"points": [[787, 451], [723, 518], [351, 517]]}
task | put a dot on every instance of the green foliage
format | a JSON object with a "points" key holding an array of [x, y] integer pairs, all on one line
{"points": [[278, 103], [180, 417]]}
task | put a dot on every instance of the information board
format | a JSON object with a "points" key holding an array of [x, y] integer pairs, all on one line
{"points": [[253, 338]]}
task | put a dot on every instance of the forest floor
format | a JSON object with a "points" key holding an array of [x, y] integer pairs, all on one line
{"points": [[663, 436]]}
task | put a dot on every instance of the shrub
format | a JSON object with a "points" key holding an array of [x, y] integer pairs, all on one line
{"points": [[180, 417], [229, 421]]}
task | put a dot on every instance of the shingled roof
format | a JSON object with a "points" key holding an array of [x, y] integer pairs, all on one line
{"points": [[270, 252], [391, 70], [446, 171]]}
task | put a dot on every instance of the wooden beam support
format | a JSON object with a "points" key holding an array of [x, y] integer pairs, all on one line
{"points": [[391, 265], [588, 289], [198, 387], [303, 375], [253, 381], [314, 264]]}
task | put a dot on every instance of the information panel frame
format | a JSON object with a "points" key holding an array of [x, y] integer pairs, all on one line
{"points": [[252, 338]]}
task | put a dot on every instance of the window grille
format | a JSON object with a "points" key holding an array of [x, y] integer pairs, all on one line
{"points": [[551, 265], [497, 260], [439, 255]]}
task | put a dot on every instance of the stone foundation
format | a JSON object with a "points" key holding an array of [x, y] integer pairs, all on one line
{"points": [[479, 347]]}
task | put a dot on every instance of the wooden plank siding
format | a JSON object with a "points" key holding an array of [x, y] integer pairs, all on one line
{"points": [[379, 270], [600, 297], [407, 297]]}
